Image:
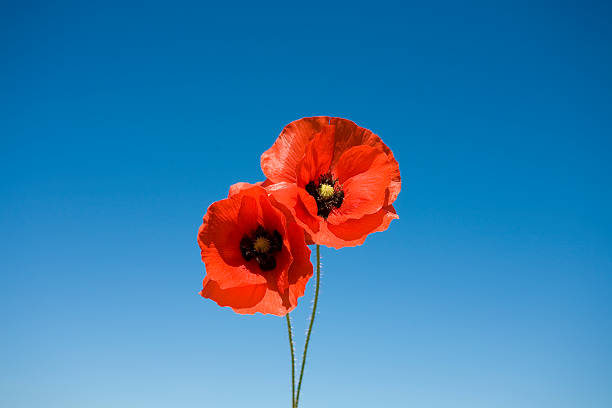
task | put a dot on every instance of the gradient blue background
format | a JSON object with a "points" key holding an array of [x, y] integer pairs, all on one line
{"points": [[122, 121]]}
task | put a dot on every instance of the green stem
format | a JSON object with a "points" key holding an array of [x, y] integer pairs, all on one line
{"points": [[292, 361], [312, 318]]}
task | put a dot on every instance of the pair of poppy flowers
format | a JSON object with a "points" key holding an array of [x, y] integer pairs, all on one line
{"points": [[329, 182]]}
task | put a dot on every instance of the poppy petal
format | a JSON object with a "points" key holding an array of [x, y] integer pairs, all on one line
{"points": [[280, 162], [238, 187], [249, 216], [297, 204], [349, 134], [317, 158], [301, 269], [238, 297], [354, 232], [246, 299], [364, 173], [225, 223], [230, 276], [219, 229]]}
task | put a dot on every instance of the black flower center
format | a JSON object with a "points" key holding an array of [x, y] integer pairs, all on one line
{"points": [[261, 245], [327, 192]]}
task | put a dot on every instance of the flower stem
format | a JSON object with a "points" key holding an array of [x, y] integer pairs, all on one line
{"points": [[292, 361], [312, 318]]}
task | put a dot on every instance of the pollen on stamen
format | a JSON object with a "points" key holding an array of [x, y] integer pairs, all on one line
{"points": [[326, 191], [261, 245]]}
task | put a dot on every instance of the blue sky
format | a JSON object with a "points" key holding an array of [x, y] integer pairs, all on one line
{"points": [[122, 121]]}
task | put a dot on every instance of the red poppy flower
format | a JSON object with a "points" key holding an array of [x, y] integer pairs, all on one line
{"points": [[255, 260], [336, 179]]}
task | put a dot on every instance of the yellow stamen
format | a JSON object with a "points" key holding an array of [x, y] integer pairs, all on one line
{"points": [[326, 191], [261, 244]]}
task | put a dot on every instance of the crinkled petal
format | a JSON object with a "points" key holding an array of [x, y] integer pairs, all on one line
{"points": [[301, 270], [238, 187], [354, 232], [280, 162], [296, 204], [349, 134], [317, 158], [237, 297], [246, 299], [364, 173]]}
